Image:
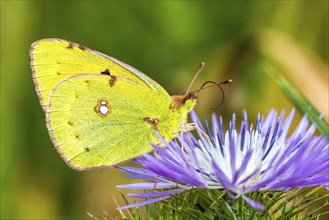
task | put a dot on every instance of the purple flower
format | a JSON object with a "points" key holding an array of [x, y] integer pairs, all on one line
{"points": [[260, 157]]}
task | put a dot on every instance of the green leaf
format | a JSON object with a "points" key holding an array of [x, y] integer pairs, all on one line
{"points": [[303, 104]]}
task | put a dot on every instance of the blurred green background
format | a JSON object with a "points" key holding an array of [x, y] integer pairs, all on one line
{"points": [[242, 40]]}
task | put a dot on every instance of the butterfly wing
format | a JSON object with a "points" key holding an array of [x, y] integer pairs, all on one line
{"points": [[102, 120], [53, 60]]}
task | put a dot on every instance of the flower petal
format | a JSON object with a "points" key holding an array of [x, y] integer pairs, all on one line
{"points": [[155, 194], [253, 203]]}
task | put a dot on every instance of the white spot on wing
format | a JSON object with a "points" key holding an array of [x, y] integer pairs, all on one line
{"points": [[102, 108]]}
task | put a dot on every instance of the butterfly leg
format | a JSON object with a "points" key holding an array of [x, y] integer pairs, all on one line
{"points": [[193, 126], [156, 181], [182, 147]]}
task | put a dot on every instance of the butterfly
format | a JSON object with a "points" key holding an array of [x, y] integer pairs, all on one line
{"points": [[101, 112]]}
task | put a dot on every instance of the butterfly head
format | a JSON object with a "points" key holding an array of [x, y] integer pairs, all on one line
{"points": [[183, 102]]}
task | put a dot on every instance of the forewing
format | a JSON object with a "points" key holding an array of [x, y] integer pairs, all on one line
{"points": [[53, 60], [102, 120]]}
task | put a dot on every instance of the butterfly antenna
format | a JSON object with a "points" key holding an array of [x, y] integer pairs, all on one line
{"points": [[203, 87], [195, 76], [214, 84]]}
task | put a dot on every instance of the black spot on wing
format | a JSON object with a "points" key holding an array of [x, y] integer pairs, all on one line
{"points": [[106, 72], [112, 81], [152, 121], [82, 47], [70, 46]]}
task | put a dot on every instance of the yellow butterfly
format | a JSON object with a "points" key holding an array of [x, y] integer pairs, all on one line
{"points": [[100, 111]]}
